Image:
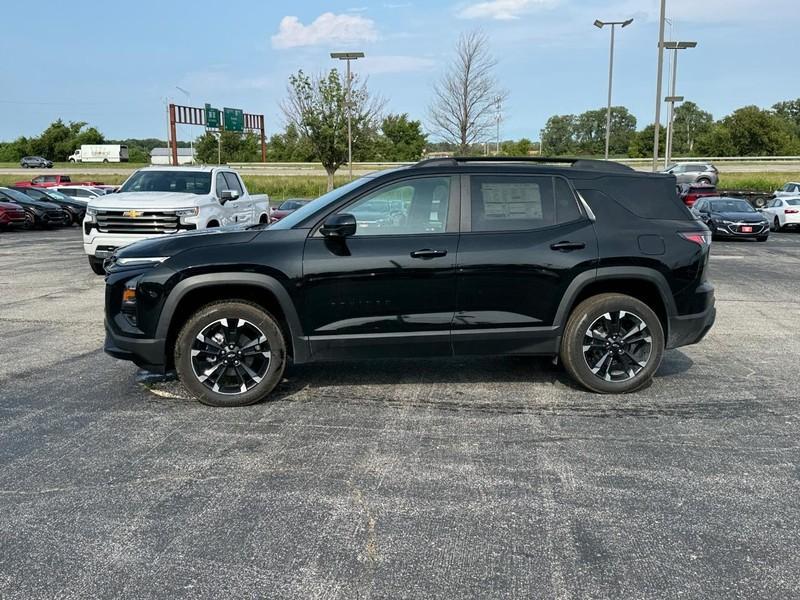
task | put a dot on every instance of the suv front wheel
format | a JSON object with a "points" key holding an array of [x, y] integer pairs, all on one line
{"points": [[230, 353], [613, 344]]}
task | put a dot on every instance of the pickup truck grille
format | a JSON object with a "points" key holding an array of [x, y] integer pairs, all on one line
{"points": [[146, 222]]}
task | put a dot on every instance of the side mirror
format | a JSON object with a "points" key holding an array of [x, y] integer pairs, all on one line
{"points": [[228, 195], [339, 225]]}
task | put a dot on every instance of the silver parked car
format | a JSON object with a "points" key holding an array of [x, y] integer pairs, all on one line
{"points": [[690, 172]]}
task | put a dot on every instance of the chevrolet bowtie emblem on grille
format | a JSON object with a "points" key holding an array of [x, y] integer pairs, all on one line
{"points": [[133, 214]]}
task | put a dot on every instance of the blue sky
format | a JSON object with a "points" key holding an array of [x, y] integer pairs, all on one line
{"points": [[112, 63]]}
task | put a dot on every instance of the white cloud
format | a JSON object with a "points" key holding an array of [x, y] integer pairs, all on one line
{"points": [[376, 65], [502, 10], [327, 28]]}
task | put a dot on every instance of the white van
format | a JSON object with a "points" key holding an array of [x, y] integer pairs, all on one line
{"points": [[100, 153]]}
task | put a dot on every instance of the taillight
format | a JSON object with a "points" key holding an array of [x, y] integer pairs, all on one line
{"points": [[790, 211], [701, 238]]}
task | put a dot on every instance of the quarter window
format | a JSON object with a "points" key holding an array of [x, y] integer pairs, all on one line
{"points": [[409, 207]]}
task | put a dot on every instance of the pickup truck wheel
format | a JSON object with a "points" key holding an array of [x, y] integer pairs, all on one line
{"points": [[230, 353], [97, 265], [613, 344], [212, 224]]}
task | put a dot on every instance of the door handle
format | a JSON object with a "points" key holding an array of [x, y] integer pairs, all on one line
{"points": [[427, 253], [567, 246]]}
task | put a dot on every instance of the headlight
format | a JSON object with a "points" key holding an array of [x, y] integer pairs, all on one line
{"points": [[726, 222], [145, 260], [187, 212]]}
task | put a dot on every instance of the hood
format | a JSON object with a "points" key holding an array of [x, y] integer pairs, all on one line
{"points": [[40, 204], [153, 200], [746, 217], [178, 242], [10, 206]]}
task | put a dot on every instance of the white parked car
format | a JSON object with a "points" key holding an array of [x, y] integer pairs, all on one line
{"points": [[81, 193], [783, 212], [790, 189], [157, 201]]}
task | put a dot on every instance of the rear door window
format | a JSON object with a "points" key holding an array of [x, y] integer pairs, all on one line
{"points": [[511, 202]]}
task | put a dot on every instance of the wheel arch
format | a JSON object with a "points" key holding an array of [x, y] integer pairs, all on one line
{"points": [[194, 292], [641, 283]]}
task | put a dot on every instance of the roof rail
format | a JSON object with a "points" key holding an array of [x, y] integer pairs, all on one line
{"points": [[577, 163]]}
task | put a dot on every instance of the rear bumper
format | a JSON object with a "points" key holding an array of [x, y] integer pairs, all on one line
{"points": [[690, 329], [145, 353]]}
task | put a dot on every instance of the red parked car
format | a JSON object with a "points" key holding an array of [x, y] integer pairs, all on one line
{"points": [[691, 192], [53, 181], [12, 215], [286, 208]]}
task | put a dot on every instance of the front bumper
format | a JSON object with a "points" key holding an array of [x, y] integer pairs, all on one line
{"points": [[149, 354], [102, 245], [735, 230]]}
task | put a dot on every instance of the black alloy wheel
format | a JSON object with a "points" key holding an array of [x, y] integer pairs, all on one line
{"points": [[230, 353], [612, 344]]}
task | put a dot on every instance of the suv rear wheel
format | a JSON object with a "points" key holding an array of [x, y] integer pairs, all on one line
{"points": [[612, 344], [230, 353]]}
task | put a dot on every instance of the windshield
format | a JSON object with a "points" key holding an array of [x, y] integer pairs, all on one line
{"points": [[55, 194], [192, 182], [291, 205], [16, 195], [320, 203], [731, 206]]}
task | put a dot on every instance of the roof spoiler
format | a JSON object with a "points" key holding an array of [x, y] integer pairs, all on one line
{"points": [[576, 163]]}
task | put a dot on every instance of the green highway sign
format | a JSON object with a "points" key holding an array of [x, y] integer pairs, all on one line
{"points": [[234, 119], [212, 117]]}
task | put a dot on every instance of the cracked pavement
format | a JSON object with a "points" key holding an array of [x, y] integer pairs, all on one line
{"points": [[477, 478]]}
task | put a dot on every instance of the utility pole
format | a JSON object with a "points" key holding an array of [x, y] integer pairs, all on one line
{"points": [[657, 124], [348, 56], [600, 24]]}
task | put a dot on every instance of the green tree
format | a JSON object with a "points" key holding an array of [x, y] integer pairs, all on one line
{"points": [[402, 139], [641, 144], [558, 136], [750, 131], [290, 146], [522, 147], [689, 124], [231, 147], [317, 106], [789, 110], [590, 131]]}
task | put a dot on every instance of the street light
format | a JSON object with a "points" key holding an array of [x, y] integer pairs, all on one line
{"points": [[348, 56], [600, 24], [188, 101], [672, 98]]}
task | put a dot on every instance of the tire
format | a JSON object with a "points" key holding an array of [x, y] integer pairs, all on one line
{"points": [[776, 225], [704, 180], [242, 364], [611, 377], [97, 265], [105, 160], [212, 225]]}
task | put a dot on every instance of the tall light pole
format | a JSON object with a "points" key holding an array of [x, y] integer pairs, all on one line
{"points": [[672, 98], [600, 24], [657, 124], [498, 115], [188, 101], [348, 56]]}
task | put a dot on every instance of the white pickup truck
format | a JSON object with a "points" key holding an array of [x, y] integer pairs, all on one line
{"points": [[157, 201]]}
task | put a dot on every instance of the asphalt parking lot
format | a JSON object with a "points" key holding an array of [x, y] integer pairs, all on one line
{"points": [[484, 478]]}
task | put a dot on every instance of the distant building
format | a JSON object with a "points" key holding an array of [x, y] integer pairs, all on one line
{"points": [[163, 156]]}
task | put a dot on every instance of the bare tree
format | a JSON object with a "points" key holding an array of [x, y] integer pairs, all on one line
{"points": [[317, 106], [466, 98]]}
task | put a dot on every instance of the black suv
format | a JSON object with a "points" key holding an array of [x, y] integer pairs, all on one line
{"points": [[586, 260]]}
